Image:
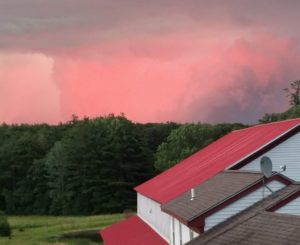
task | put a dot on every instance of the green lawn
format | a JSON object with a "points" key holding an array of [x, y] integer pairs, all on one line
{"points": [[46, 230]]}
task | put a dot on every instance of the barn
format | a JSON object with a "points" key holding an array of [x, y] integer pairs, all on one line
{"points": [[209, 196]]}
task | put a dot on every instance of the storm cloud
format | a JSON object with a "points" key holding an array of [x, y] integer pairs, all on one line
{"points": [[153, 60]]}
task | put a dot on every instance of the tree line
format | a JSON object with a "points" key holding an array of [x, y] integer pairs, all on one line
{"points": [[90, 166]]}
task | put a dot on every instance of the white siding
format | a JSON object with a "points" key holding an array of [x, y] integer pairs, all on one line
{"points": [[241, 204], [162, 223], [151, 213], [288, 153], [293, 207], [185, 234], [177, 232], [182, 234], [172, 232]]}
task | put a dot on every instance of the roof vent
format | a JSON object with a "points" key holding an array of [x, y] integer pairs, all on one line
{"points": [[193, 195]]}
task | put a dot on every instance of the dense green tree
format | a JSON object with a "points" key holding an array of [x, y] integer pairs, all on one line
{"points": [[94, 168], [56, 169], [88, 166], [293, 112], [188, 139], [80, 167], [152, 135], [20, 147]]}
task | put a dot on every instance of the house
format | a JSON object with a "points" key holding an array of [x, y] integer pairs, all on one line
{"points": [[223, 180], [217, 199], [270, 221]]}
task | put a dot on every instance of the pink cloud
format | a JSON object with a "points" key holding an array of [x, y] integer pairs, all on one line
{"points": [[171, 78], [28, 94], [176, 60], [139, 87]]}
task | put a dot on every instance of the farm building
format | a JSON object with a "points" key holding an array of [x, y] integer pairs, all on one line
{"points": [[219, 195]]}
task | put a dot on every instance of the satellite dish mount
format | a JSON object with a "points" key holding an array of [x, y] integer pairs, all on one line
{"points": [[266, 167]]}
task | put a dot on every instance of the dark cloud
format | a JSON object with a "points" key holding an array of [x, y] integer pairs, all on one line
{"points": [[48, 24], [185, 60], [246, 82]]}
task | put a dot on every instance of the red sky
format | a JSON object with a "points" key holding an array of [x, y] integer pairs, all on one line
{"points": [[154, 61]]}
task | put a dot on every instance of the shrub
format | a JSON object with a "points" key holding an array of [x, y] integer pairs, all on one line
{"points": [[128, 213], [4, 226]]}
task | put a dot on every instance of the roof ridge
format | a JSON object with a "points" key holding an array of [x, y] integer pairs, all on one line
{"points": [[242, 171], [286, 215], [266, 124]]}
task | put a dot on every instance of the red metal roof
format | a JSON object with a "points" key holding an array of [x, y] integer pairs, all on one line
{"points": [[132, 231], [214, 158]]}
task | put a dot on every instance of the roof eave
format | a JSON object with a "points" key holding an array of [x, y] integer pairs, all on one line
{"points": [[261, 150]]}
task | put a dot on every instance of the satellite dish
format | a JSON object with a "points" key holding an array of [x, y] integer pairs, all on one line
{"points": [[266, 166]]}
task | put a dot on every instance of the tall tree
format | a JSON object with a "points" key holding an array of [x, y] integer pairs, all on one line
{"points": [[186, 140], [293, 93], [94, 168], [21, 148]]}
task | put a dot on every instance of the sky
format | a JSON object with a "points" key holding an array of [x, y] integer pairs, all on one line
{"points": [[155, 61]]}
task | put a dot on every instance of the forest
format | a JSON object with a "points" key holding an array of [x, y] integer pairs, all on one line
{"points": [[90, 166]]}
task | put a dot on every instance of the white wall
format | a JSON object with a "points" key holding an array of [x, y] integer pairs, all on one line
{"points": [[177, 232], [288, 153], [182, 234], [162, 223], [241, 204], [151, 213], [186, 234], [293, 207]]}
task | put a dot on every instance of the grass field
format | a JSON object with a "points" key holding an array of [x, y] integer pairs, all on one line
{"points": [[49, 230]]}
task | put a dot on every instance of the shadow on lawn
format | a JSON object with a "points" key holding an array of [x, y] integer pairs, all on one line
{"points": [[88, 235]]}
